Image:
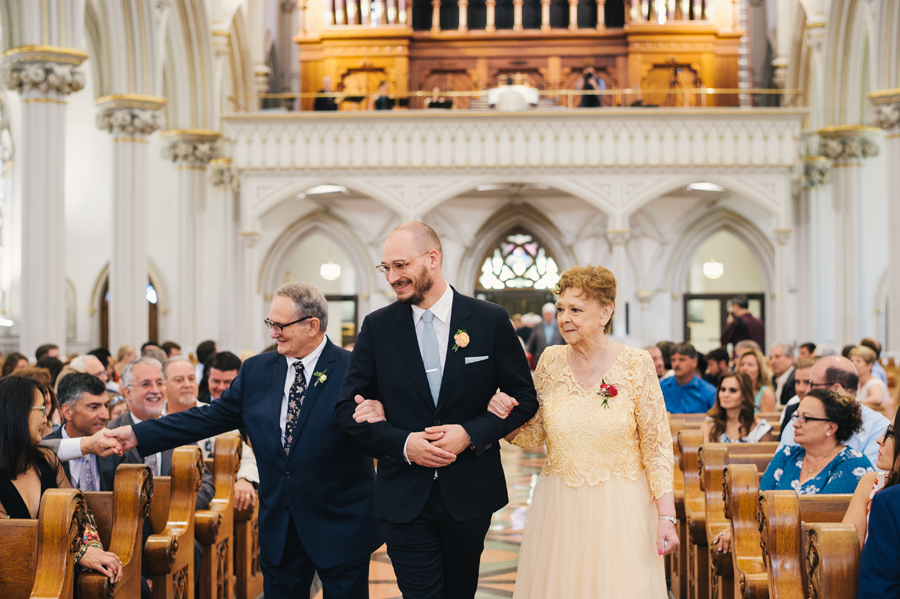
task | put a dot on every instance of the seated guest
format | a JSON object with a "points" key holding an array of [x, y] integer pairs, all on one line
{"points": [[12, 363], [879, 577], [53, 365], [806, 350], [877, 369], [48, 350], [117, 406], [802, 372], [839, 374], [716, 365], [53, 419], [755, 365], [90, 364], [886, 475], [872, 391], [820, 462], [781, 357], [741, 347], [83, 405], [731, 420], [27, 469], [686, 393]]}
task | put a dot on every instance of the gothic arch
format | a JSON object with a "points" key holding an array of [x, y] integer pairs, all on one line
{"points": [[271, 199], [849, 45], [188, 67], [511, 217]]}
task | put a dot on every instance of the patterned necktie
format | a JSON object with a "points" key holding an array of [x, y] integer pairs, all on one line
{"points": [[295, 402], [431, 355], [87, 474]]}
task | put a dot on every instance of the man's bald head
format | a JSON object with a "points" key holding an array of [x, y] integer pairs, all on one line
{"points": [[834, 372], [421, 237]]}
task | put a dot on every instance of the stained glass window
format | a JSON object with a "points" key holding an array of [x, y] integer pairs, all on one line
{"points": [[519, 263]]}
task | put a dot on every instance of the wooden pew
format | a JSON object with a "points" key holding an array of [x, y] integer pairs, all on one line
{"points": [[170, 550], [693, 531], [46, 545], [248, 575], [714, 458], [215, 526], [676, 563], [741, 500], [784, 517], [832, 560], [120, 518]]}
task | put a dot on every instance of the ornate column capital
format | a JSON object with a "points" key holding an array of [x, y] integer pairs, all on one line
{"points": [[191, 147], [816, 172], [618, 236], [44, 69], [130, 114], [848, 142], [222, 176], [782, 236], [885, 111]]}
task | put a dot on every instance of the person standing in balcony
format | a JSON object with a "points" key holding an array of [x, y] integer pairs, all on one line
{"points": [[381, 100], [591, 85]]}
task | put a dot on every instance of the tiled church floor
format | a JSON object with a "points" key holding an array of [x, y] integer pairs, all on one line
{"points": [[501, 552]]}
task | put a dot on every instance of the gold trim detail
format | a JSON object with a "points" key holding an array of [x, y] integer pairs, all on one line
{"points": [[136, 140], [190, 134], [221, 33], [847, 164], [131, 101], [885, 96], [43, 101], [220, 162], [816, 160], [51, 53], [847, 131]]}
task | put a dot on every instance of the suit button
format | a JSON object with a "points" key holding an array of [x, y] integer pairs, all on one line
{"points": [[287, 474], [437, 422]]}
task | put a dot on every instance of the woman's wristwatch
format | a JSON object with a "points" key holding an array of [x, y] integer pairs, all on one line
{"points": [[671, 519]]}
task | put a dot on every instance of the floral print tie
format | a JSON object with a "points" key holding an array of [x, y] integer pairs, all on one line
{"points": [[295, 402]]}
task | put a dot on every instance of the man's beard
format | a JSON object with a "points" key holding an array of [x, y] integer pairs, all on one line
{"points": [[419, 289]]}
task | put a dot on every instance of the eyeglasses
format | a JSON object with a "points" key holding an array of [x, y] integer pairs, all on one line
{"points": [[813, 385], [398, 266], [888, 434], [43, 410], [804, 419], [278, 327]]}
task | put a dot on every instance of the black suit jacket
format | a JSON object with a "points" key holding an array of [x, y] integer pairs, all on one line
{"points": [[107, 466], [879, 577], [386, 365], [326, 481], [790, 388], [537, 342]]}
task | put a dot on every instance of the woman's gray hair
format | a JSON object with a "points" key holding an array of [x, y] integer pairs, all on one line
{"points": [[128, 377], [309, 301]]}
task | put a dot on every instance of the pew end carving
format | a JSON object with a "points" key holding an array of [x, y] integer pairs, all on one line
{"points": [[832, 560]]}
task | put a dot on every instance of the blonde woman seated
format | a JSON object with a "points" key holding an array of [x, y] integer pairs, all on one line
{"points": [[755, 365], [886, 475], [731, 419], [872, 391]]}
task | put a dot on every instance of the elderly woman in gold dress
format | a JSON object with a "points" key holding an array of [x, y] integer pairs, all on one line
{"points": [[603, 512]]}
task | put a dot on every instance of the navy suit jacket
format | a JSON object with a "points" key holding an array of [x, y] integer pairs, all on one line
{"points": [[386, 365], [326, 482], [879, 573]]}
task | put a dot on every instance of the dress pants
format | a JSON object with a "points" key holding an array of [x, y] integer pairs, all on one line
{"points": [[435, 556], [293, 577]]}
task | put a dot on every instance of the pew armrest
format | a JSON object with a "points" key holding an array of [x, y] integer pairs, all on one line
{"points": [[832, 560]]}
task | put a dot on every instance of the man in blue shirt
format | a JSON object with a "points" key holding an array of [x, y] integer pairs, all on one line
{"points": [[686, 393], [839, 373]]}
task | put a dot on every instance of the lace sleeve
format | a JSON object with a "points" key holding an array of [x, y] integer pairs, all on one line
{"points": [[654, 436], [532, 434]]}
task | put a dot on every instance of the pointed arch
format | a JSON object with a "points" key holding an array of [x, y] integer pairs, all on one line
{"points": [[664, 185], [512, 217], [848, 43], [188, 68], [285, 193]]}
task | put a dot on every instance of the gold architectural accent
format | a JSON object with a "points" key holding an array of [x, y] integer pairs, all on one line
{"points": [[847, 164], [885, 96], [190, 135], [220, 162], [50, 53], [43, 101], [138, 101], [815, 25], [136, 140], [221, 33], [847, 131], [816, 160]]}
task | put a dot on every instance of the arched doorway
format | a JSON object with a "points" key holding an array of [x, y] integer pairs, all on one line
{"points": [[152, 294], [720, 268], [320, 261], [518, 273]]}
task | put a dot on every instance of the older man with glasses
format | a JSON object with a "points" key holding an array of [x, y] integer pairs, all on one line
{"points": [[839, 373]]}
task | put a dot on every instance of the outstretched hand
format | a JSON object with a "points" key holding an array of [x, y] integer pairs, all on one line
{"points": [[125, 436], [102, 443]]}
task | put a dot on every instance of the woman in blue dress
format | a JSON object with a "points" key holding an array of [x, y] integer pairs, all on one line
{"points": [[820, 462]]}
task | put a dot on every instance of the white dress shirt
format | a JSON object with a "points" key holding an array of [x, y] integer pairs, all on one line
{"points": [[157, 469], [442, 310], [76, 464], [309, 366]]}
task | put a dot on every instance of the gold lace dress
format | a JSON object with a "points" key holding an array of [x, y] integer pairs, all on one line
{"points": [[591, 529]]}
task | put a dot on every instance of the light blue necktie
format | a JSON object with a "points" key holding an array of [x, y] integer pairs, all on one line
{"points": [[430, 355]]}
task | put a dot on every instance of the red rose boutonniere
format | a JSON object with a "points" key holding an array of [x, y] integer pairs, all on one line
{"points": [[606, 391]]}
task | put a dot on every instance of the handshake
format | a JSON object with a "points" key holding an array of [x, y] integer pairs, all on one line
{"points": [[107, 442]]}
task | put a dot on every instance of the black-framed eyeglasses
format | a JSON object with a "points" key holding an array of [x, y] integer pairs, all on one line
{"points": [[43, 410], [813, 385], [398, 266], [804, 419], [278, 327], [888, 434]]}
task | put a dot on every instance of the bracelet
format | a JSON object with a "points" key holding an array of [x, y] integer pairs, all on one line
{"points": [[671, 519]]}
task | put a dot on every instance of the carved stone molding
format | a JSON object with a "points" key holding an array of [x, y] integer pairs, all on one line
{"points": [[848, 143], [618, 236], [222, 176], [129, 121], [191, 147], [885, 111], [816, 172], [42, 75], [782, 236]]}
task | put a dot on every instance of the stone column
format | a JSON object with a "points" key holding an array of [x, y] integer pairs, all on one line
{"points": [[601, 14], [777, 328], [847, 146], [545, 15], [130, 119], [573, 14], [618, 238], [43, 76], [223, 289], [815, 280], [517, 14], [190, 150], [463, 6], [886, 115], [435, 16]]}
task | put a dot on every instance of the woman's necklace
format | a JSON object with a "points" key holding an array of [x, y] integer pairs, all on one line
{"points": [[599, 361], [823, 461]]}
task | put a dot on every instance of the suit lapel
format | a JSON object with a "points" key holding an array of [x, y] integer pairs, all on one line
{"points": [[272, 396], [408, 346], [313, 387], [459, 318]]}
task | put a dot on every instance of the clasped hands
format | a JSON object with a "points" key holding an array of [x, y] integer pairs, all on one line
{"points": [[107, 442], [436, 446]]}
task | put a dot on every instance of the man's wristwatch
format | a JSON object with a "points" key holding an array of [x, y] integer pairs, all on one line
{"points": [[671, 519]]}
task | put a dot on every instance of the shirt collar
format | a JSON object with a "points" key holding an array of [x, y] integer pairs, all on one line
{"points": [[311, 358], [440, 309]]}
